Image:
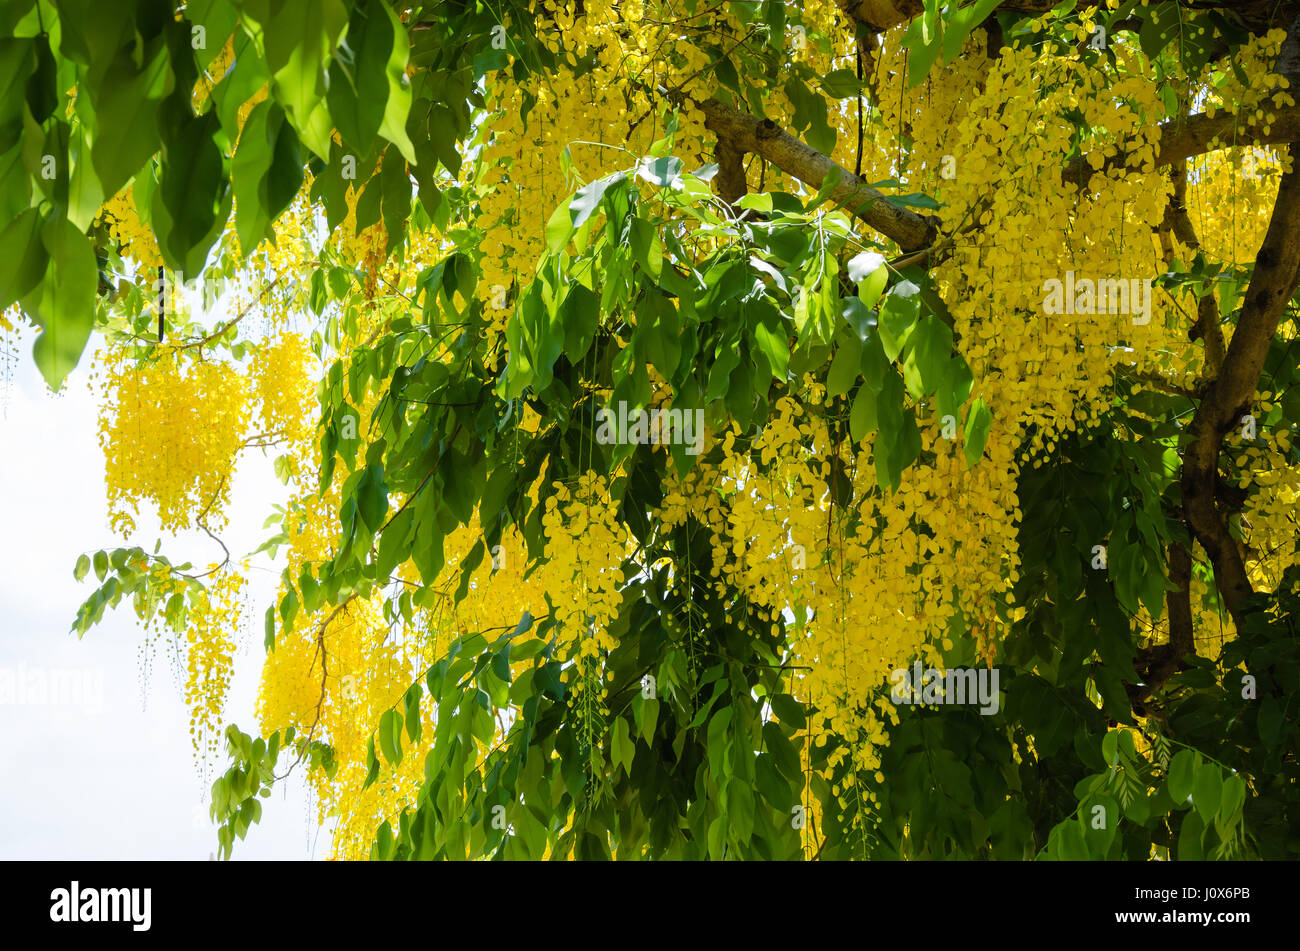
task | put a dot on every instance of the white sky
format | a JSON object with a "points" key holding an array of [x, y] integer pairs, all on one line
{"points": [[116, 780]]}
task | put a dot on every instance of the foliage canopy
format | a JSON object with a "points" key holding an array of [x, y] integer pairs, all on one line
{"points": [[451, 238]]}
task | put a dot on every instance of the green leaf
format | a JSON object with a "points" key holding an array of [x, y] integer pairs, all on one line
{"points": [[1162, 24], [740, 808], [1230, 803], [23, 258], [218, 19], [716, 838], [289, 606], [559, 228], [1114, 699], [647, 250], [960, 23], [898, 440], [372, 497], [298, 41], [588, 197], [663, 172], [955, 388], [247, 74], [64, 303], [928, 355], [1229, 293], [83, 566], [267, 173], [622, 749], [787, 758], [1190, 835], [17, 58], [844, 368], [862, 418], [1182, 775], [658, 333], [193, 190], [414, 723], [1207, 791], [841, 84], [771, 784], [1110, 748], [978, 422], [398, 106], [716, 737], [649, 720], [126, 107], [775, 347], [1073, 846], [920, 56], [42, 85], [496, 686], [898, 317], [358, 78], [789, 710], [390, 736], [872, 286], [1099, 839], [85, 194], [395, 191], [372, 764]]}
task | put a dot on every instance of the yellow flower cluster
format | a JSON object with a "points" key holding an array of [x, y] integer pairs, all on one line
{"points": [[170, 429], [604, 120], [586, 545], [128, 230], [1268, 520], [332, 676], [284, 372], [210, 650], [863, 591]]}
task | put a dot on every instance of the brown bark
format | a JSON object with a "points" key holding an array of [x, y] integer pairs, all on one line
{"points": [[1207, 308], [745, 133], [1227, 398], [730, 183], [1157, 664]]}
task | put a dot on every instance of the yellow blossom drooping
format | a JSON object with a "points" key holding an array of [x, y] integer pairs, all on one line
{"points": [[170, 431]]}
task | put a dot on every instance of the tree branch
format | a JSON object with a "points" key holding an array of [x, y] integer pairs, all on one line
{"points": [[918, 235], [730, 183], [1207, 308], [1158, 664], [1277, 268], [1182, 138], [745, 133], [739, 132]]}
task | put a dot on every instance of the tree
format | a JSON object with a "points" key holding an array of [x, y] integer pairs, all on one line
{"points": [[665, 390]]}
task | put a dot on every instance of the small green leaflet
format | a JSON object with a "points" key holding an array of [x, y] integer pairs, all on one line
{"points": [[663, 172], [862, 419], [571, 215], [775, 347], [589, 196], [978, 421]]}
